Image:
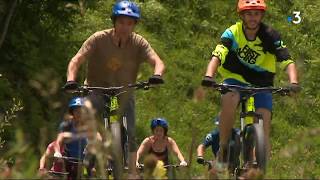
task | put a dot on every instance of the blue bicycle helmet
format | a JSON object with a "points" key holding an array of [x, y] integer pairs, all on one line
{"points": [[159, 122], [126, 8], [76, 102]]}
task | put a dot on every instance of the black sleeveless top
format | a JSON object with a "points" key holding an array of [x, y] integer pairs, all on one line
{"points": [[162, 156]]}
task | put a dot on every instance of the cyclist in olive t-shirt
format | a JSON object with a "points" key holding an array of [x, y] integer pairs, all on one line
{"points": [[114, 57]]}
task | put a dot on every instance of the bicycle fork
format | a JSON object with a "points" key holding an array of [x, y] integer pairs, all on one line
{"points": [[248, 117]]}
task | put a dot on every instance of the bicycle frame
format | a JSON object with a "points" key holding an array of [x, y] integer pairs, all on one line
{"points": [[111, 112], [115, 122], [70, 161], [248, 116]]}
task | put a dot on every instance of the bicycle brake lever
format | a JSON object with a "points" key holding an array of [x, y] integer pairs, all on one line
{"points": [[224, 90]]}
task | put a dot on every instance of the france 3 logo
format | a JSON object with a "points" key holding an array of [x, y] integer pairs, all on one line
{"points": [[295, 18]]}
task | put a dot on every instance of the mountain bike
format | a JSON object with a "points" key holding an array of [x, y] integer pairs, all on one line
{"points": [[169, 172], [73, 169], [115, 123], [252, 142]]}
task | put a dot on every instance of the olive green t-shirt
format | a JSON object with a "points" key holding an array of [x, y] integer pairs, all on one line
{"points": [[110, 65]]}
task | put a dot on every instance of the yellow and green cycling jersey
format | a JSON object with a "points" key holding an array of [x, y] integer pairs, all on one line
{"points": [[252, 62]]}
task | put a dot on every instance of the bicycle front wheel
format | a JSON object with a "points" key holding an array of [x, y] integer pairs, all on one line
{"points": [[117, 149], [254, 147], [233, 153]]}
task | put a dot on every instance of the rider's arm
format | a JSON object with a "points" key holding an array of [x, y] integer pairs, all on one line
{"points": [[157, 63], [87, 50], [174, 147], [292, 73], [59, 142], [147, 53], [213, 66], [74, 66], [43, 159], [219, 53], [208, 140], [143, 148], [283, 56]]}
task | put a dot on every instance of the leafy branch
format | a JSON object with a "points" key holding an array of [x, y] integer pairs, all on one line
{"points": [[9, 116]]}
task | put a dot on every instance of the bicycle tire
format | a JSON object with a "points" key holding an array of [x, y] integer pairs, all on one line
{"points": [[117, 152], [125, 142], [254, 142], [234, 153]]}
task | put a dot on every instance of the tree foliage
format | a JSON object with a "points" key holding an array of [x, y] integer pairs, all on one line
{"points": [[43, 35]]}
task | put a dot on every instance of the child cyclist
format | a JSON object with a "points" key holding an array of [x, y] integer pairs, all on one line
{"points": [[56, 166], [73, 137], [160, 144], [212, 140]]}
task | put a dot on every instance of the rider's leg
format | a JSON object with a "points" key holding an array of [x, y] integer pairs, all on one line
{"points": [[130, 115], [229, 103], [263, 105], [266, 115]]}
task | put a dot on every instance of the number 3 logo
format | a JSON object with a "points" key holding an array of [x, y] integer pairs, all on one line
{"points": [[297, 17]]}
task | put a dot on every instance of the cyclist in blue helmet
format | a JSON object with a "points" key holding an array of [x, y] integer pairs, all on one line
{"points": [[212, 139], [160, 144], [73, 136], [113, 57]]}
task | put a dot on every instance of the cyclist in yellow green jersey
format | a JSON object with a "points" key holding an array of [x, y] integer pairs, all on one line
{"points": [[247, 56]]}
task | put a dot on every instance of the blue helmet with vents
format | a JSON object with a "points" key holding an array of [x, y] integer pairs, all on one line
{"points": [[126, 8], [159, 122], [76, 102]]}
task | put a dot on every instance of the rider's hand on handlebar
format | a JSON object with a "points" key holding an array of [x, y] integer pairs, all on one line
{"points": [[42, 171], [294, 88], [57, 155], [70, 85], [183, 163], [156, 79], [138, 165], [208, 81], [200, 160]]}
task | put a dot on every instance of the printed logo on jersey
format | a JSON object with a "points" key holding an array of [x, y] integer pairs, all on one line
{"points": [[208, 137], [279, 44], [248, 55], [78, 101], [114, 64]]}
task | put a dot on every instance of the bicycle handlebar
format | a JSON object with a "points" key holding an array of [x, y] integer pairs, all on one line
{"points": [[70, 159], [251, 90], [172, 165], [141, 166], [57, 173], [145, 85], [141, 85]]}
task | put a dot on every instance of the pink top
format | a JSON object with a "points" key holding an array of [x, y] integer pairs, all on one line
{"points": [[56, 166]]}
